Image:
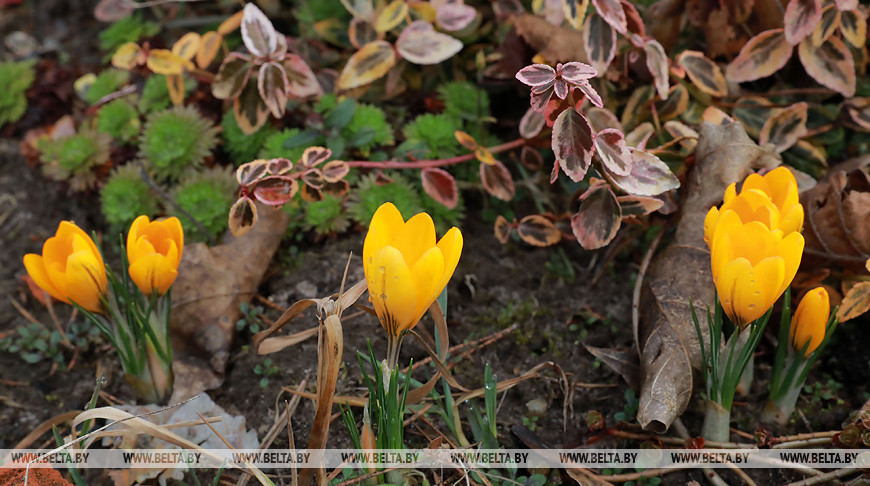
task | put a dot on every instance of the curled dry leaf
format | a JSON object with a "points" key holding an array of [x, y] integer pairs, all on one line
{"points": [[537, 230], [598, 220], [440, 186], [703, 72], [681, 274], [785, 128], [855, 302], [556, 44], [837, 222], [621, 360], [830, 64], [211, 284], [763, 55]]}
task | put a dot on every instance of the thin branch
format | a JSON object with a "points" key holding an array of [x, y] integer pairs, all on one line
{"points": [[425, 164]]}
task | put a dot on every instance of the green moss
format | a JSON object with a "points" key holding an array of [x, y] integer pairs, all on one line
{"points": [[15, 79], [126, 196], [368, 128], [368, 196], [243, 148], [128, 29], [464, 100], [432, 136], [175, 140], [273, 147], [325, 216], [207, 195], [73, 158], [119, 119], [107, 82], [155, 94]]}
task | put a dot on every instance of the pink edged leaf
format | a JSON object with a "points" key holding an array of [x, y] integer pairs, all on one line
{"points": [[440, 186], [853, 25], [560, 87], [276, 190], [573, 144], [314, 156], [657, 63], [638, 137], [676, 104], [703, 72], [856, 113], [335, 171], [590, 93], [540, 97], [785, 128], [539, 231], [634, 22], [273, 85], [801, 18], [258, 34], [279, 166], [367, 65], [678, 129], [612, 13], [612, 150], [827, 26], [845, 5], [576, 72], [763, 55], [231, 77], [599, 40], [453, 17], [249, 109], [830, 64], [602, 118], [243, 216], [531, 158], [497, 180], [531, 124], [361, 9], [574, 12], [649, 176], [639, 205], [251, 172], [536, 75], [110, 10], [421, 44], [303, 82], [502, 229], [597, 222]]}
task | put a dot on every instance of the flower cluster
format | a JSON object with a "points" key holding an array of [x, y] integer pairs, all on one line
{"points": [[755, 244]]}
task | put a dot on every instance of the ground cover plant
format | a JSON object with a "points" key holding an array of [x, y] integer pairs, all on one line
{"points": [[483, 226]]}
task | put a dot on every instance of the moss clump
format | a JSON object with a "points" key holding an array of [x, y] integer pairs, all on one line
{"points": [[432, 136], [207, 195], [368, 128], [15, 79], [464, 100], [368, 196], [73, 158], [155, 94], [176, 140], [128, 29], [119, 119], [273, 147], [243, 148], [325, 216], [126, 196], [107, 82]]}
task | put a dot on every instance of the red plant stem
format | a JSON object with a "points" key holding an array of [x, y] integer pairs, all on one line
{"points": [[424, 164]]}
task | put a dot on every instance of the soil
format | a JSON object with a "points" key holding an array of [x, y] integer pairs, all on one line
{"points": [[495, 286]]}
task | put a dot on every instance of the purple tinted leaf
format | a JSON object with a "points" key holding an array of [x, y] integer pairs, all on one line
{"points": [[303, 82], [801, 18], [419, 43], [273, 86], [577, 72], [649, 176], [531, 123], [538, 101], [599, 40], [279, 166], [612, 13], [335, 171], [639, 205], [597, 222], [613, 151], [440, 186], [573, 144], [657, 63], [276, 190], [536, 75], [455, 16], [560, 87], [497, 180], [258, 34], [591, 94]]}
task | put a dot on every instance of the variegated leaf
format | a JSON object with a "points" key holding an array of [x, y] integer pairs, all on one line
{"points": [[456, 16], [421, 44], [440, 186], [273, 85], [763, 55], [575, 12], [703, 72], [258, 34], [853, 25], [830, 64], [599, 40], [302, 81], [649, 176], [598, 220], [785, 128], [250, 110], [657, 63], [539, 231], [497, 180], [612, 150], [573, 144], [612, 13], [231, 77], [391, 16], [801, 18], [369, 64]]}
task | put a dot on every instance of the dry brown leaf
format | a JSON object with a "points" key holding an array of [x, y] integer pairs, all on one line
{"points": [[837, 221], [681, 274], [623, 361], [556, 44], [212, 283]]}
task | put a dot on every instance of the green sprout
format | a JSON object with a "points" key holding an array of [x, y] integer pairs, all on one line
{"points": [[15, 79], [175, 140], [119, 119], [73, 158]]}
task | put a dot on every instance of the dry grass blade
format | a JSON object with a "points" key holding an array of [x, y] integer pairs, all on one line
{"points": [[45, 427], [345, 399], [418, 394], [275, 344]]}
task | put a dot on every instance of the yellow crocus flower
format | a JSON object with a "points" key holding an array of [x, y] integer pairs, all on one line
{"points": [[752, 266], [809, 322], [771, 199], [405, 269], [70, 268], [154, 251]]}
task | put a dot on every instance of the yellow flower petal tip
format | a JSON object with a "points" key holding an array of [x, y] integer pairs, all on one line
{"points": [[405, 268], [809, 322], [154, 250], [70, 268]]}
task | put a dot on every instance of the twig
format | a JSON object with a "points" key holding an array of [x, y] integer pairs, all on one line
{"points": [[624, 478], [638, 284], [824, 478], [797, 444], [153, 185], [740, 472], [424, 164], [360, 479]]}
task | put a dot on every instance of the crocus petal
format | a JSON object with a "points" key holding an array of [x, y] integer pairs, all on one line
{"points": [[36, 269], [427, 273], [810, 320], [153, 273], [746, 292], [791, 248], [730, 192], [385, 223], [174, 226], [779, 184], [133, 233], [140, 249], [392, 290], [83, 280], [451, 248], [710, 225], [415, 237], [792, 219]]}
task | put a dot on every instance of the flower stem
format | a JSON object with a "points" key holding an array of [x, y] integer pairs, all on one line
{"points": [[716, 422]]}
